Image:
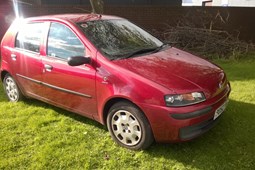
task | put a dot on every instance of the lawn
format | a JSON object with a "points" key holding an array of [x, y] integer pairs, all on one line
{"points": [[34, 135]]}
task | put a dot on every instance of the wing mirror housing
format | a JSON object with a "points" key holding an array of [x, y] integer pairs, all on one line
{"points": [[78, 60]]}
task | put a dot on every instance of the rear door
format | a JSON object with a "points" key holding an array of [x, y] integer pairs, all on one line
{"points": [[70, 87], [25, 59]]}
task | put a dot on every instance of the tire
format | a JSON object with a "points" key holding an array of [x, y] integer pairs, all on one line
{"points": [[129, 127], [11, 89]]}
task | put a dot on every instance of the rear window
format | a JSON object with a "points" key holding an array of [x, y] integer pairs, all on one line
{"points": [[29, 37]]}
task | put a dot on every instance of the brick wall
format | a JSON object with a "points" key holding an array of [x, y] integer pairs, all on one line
{"points": [[155, 17], [6, 17]]}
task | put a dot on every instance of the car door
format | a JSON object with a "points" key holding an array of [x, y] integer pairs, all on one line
{"points": [[25, 58], [70, 87]]}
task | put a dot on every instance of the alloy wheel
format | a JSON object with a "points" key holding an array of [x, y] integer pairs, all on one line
{"points": [[11, 89], [126, 128]]}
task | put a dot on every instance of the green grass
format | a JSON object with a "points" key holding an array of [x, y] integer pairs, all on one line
{"points": [[34, 135]]}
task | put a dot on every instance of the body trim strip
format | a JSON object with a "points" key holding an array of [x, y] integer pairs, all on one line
{"points": [[55, 87]]}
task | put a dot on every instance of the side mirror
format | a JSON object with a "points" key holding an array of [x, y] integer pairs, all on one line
{"points": [[78, 60]]}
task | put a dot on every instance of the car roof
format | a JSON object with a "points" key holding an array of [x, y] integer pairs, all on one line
{"points": [[76, 18]]}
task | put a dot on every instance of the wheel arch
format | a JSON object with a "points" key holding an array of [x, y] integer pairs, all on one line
{"points": [[3, 73], [110, 103], [114, 100]]}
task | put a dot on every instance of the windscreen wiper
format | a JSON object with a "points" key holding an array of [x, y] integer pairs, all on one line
{"points": [[140, 51], [146, 50]]}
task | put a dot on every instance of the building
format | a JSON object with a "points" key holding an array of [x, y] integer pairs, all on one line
{"points": [[231, 3]]}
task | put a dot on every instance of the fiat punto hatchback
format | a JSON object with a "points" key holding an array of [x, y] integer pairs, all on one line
{"points": [[110, 70]]}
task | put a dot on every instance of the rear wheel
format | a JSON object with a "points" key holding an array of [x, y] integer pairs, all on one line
{"points": [[11, 89], [129, 127]]}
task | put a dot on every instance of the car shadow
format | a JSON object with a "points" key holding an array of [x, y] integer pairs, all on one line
{"points": [[229, 145]]}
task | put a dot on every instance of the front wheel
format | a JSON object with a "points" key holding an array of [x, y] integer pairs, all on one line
{"points": [[129, 127], [11, 89]]}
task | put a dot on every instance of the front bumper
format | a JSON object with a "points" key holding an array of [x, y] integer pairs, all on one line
{"points": [[177, 124]]}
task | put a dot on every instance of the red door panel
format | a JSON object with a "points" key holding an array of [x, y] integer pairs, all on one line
{"points": [[70, 87]]}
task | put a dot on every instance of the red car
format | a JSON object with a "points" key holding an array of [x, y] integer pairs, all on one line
{"points": [[112, 71]]}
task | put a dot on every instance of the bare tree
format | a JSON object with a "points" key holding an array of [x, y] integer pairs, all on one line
{"points": [[97, 6]]}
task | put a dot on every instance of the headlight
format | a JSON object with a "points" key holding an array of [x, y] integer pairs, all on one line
{"points": [[184, 99]]}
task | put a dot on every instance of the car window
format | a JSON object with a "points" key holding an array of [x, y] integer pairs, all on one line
{"points": [[118, 37], [29, 37], [63, 43]]}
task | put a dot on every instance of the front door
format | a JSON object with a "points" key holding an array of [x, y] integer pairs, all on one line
{"points": [[70, 87]]}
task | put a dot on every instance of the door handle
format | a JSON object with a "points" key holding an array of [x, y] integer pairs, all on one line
{"points": [[14, 57], [48, 67]]}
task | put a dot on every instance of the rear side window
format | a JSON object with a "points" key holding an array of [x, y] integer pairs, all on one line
{"points": [[29, 37], [63, 43]]}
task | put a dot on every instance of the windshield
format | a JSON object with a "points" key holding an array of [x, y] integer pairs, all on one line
{"points": [[118, 38]]}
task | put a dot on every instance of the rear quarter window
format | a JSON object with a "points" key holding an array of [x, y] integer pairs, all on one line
{"points": [[29, 37]]}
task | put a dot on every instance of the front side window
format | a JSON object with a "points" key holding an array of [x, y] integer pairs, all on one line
{"points": [[63, 43], [29, 37]]}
